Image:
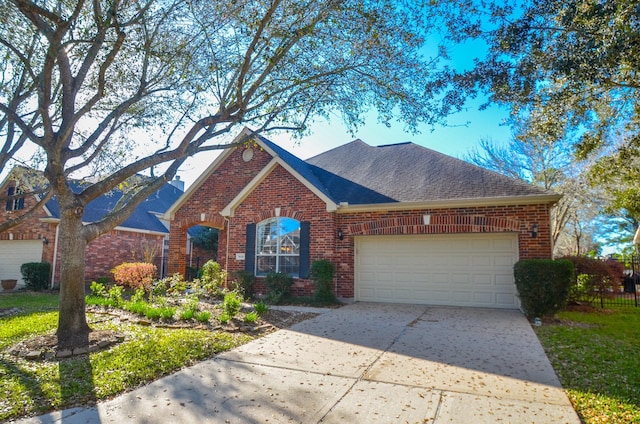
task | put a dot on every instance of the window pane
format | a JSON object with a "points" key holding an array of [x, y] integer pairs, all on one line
{"points": [[267, 237], [290, 264], [278, 246], [265, 265], [289, 236]]}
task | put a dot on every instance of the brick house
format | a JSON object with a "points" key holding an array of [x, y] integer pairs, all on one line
{"points": [[402, 223], [142, 235]]}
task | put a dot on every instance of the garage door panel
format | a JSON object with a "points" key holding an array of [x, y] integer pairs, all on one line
{"points": [[457, 269], [14, 253]]}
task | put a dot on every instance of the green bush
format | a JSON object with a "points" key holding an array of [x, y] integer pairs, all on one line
{"points": [[543, 285], [261, 307], [321, 273], [251, 317], [135, 275], [232, 304], [212, 278], [98, 289], [203, 316], [36, 275], [278, 286], [244, 282]]}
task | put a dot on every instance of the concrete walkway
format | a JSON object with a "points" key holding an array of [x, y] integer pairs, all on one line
{"points": [[361, 363]]}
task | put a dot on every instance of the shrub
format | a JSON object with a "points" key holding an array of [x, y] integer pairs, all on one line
{"points": [[203, 316], [115, 296], [175, 284], [36, 275], [135, 275], [212, 278], [189, 308], [278, 286], [224, 318], [321, 273], [138, 307], [251, 317], [594, 278], [138, 296], [543, 285], [98, 289], [261, 307], [232, 303], [244, 282]]}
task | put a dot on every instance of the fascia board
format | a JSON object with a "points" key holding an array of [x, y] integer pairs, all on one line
{"points": [[454, 203]]}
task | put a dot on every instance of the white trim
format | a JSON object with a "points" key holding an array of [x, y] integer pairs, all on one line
{"points": [[636, 237], [453, 203], [228, 211]]}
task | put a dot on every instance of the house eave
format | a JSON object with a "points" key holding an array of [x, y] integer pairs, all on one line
{"points": [[50, 220], [450, 203]]}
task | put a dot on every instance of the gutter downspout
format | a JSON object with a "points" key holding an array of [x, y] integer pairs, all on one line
{"points": [[55, 257], [226, 259]]}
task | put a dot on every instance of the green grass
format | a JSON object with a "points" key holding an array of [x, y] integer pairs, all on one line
{"points": [[36, 387], [597, 358]]}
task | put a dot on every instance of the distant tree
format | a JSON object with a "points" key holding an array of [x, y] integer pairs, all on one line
{"points": [[116, 88], [572, 69], [206, 238], [547, 164]]}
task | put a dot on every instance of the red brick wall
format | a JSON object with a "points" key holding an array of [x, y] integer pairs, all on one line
{"points": [[279, 190], [101, 255], [212, 196], [116, 247]]}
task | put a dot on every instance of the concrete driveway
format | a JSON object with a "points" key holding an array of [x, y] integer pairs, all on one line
{"points": [[361, 363]]}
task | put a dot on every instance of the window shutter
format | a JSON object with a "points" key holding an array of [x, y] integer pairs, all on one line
{"points": [[305, 231], [250, 249], [10, 201]]}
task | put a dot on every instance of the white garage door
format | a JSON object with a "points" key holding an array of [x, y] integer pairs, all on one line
{"points": [[457, 269], [14, 253]]}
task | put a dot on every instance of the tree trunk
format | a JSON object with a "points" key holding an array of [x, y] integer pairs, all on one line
{"points": [[73, 330]]}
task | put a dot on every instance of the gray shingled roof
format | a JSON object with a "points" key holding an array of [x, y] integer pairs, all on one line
{"points": [[361, 174]]}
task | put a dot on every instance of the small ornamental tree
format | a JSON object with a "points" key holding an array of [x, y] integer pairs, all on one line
{"points": [[135, 275], [595, 278]]}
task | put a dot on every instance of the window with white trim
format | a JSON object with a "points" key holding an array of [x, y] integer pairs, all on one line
{"points": [[278, 246], [15, 203]]}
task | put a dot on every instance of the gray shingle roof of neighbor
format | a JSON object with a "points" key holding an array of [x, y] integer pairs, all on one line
{"points": [[406, 172], [142, 218]]}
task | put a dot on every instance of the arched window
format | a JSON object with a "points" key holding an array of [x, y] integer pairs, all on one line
{"points": [[278, 246]]}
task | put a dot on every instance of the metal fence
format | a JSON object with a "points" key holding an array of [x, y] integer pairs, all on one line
{"points": [[622, 293]]}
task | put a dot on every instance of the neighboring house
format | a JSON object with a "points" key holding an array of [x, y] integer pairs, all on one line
{"points": [[401, 223], [142, 236]]}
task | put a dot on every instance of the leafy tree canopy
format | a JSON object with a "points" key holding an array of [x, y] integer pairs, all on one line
{"points": [[571, 70], [84, 84]]}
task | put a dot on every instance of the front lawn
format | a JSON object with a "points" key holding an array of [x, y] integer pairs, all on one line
{"points": [[147, 353], [597, 358]]}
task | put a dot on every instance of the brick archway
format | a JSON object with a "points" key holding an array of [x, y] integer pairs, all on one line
{"points": [[178, 238]]}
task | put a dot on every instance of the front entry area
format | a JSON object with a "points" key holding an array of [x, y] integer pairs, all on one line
{"points": [[473, 270]]}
